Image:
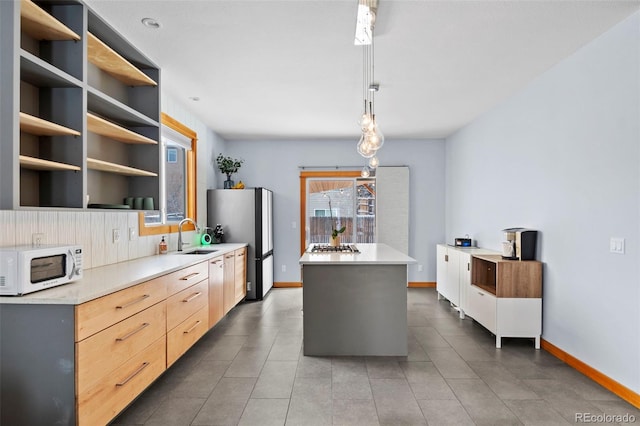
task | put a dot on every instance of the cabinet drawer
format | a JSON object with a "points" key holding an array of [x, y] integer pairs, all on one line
{"points": [[112, 347], [107, 398], [186, 334], [179, 280], [482, 307], [182, 305], [101, 313]]}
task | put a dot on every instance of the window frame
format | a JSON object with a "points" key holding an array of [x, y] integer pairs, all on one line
{"points": [[168, 228]]}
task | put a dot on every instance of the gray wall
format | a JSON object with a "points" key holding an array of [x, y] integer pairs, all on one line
{"points": [[562, 156], [275, 165]]}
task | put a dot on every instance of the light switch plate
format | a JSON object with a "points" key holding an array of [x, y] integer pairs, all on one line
{"points": [[616, 245]]}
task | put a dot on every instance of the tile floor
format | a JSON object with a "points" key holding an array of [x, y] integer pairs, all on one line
{"points": [[249, 370]]}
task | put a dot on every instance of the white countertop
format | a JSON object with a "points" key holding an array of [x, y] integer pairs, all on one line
{"points": [[98, 282], [380, 254]]}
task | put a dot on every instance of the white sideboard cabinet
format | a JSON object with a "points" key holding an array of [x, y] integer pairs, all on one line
{"points": [[505, 296], [453, 274]]}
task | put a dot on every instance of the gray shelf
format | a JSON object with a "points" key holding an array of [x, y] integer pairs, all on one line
{"points": [[35, 71], [109, 107]]}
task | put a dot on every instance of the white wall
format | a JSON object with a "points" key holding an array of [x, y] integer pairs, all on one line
{"points": [[275, 165], [562, 156]]}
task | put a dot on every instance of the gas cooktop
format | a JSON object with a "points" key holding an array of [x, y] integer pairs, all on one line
{"points": [[326, 248]]}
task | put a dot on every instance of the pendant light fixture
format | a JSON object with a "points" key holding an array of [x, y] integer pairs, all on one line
{"points": [[371, 139]]}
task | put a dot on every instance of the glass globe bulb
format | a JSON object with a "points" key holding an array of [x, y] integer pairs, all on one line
{"points": [[365, 172], [365, 121], [374, 162], [364, 148]]}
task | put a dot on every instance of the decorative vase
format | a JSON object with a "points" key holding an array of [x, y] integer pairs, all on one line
{"points": [[228, 184], [334, 242]]}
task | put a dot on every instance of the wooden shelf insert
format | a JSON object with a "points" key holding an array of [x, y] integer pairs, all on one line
{"points": [[39, 164], [112, 63], [103, 127], [105, 166], [40, 25], [38, 126]]}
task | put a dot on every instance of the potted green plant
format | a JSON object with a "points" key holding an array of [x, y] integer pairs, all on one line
{"points": [[228, 166]]}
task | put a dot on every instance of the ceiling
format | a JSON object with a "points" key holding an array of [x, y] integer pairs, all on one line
{"points": [[268, 69]]}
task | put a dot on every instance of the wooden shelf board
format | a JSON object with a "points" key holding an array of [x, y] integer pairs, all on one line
{"points": [[42, 26], [112, 63], [105, 166], [38, 126], [40, 164], [103, 127]]}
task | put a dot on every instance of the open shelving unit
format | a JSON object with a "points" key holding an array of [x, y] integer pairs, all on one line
{"points": [[81, 109]]}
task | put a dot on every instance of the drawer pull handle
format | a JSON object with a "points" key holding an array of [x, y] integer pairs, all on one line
{"points": [[468, 267], [229, 256], [137, 330], [446, 257], [188, 277], [215, 262], [134, 374], [193, 296], [133, 302], [192, 327], [241, 254], [481, 294]]}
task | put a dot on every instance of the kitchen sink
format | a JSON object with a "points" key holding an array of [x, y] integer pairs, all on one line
{"points": [[199, 251]]}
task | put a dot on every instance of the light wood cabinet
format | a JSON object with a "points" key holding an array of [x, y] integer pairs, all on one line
{"points": [[186, 334], [240, 275], [102, 402], [229, 283], [505, 296], [187, 302], [96, 357], [82, 109], [216, 290]]}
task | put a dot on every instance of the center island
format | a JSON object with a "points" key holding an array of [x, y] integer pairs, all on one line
{"points": [[355, 304]]}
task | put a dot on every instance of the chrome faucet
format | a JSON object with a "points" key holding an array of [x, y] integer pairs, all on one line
{"points": [[182, 222]]}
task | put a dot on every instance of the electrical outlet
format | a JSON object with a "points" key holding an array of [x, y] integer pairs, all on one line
{"points": [[284, 268], [132, 234], [116, 235], [294, 225], [37, 239], [419, 268]]}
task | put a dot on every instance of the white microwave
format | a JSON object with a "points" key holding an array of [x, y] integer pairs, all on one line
{"points": [[25, 269]]}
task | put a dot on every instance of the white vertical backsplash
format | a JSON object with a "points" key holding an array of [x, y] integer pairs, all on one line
{"points": [[66, 226], [26, 226], [7, 227], [83, 237], [98, 243], [48, 225]]}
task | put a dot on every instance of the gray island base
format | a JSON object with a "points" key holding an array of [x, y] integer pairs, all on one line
{"points": [[355, 304]]}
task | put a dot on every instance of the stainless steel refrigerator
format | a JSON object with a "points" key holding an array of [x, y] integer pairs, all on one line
{"points": [[246, 217]]}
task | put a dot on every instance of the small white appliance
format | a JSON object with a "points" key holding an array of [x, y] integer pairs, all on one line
{"points": [[25, 269]]}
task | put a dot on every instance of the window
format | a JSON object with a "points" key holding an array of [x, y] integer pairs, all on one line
{"points": [[352, 201], [178, 185]]}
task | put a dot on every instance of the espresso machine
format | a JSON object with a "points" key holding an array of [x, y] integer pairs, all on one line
{"points": [[519, 244]]}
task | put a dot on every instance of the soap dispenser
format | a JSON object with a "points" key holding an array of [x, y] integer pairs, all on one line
{"points": [[163, 246]]}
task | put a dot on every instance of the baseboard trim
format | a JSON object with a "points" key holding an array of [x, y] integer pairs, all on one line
{"points": [[605, 381], [421, 284], [282, 284]]}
